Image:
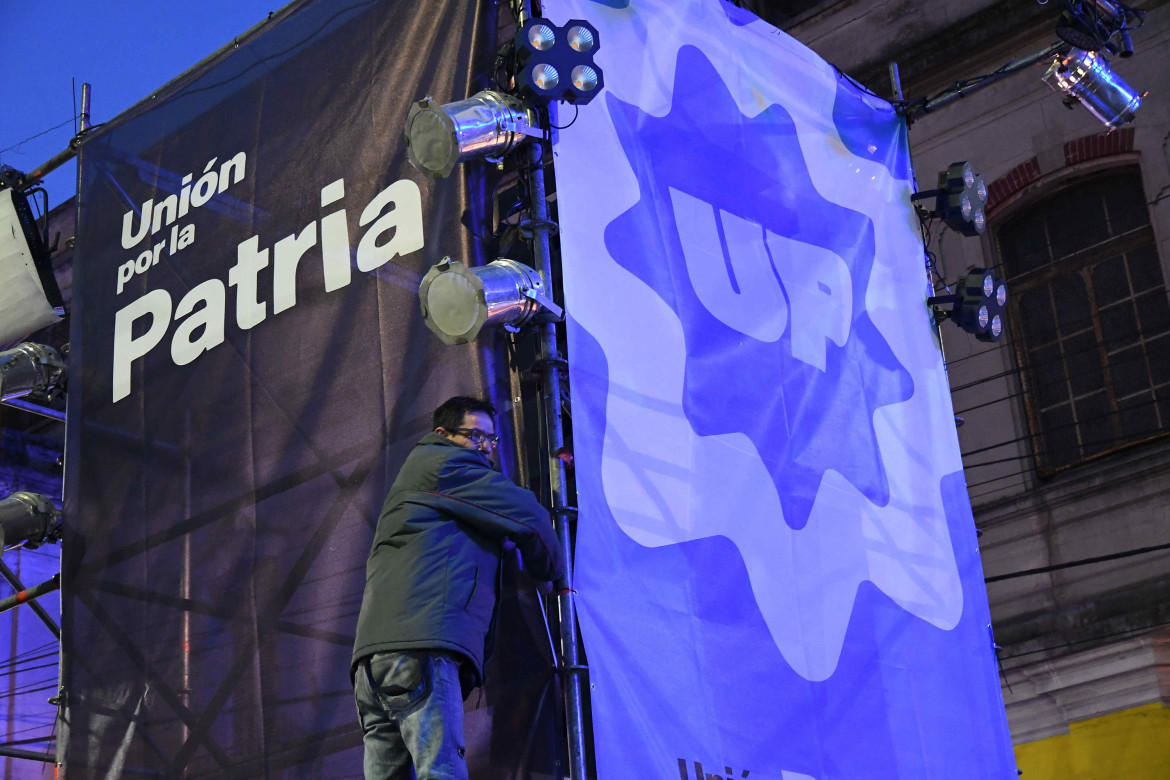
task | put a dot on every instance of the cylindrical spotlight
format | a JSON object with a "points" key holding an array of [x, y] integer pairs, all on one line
{"points": [[457, 302], [28, 367], [27, 517], [1089, 25], [1086, 76], [486, 125]]}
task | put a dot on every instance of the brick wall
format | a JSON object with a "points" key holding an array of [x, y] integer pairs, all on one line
{"points": [[1011, 182]]}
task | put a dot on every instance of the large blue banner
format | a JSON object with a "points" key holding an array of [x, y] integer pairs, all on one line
{"points": [[777, 562]]}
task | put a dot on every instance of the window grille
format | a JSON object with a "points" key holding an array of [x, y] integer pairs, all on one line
{"points": [[1090, 319]]}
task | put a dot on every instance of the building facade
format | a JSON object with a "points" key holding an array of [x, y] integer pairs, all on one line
{"points": [[1066, 418]]}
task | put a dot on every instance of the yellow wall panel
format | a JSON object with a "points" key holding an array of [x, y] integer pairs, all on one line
{"points": [[1129, 745]]}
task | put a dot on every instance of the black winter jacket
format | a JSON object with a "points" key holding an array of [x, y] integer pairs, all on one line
{"points": [[431, 578]]}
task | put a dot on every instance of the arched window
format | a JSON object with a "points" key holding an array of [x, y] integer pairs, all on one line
{"points": [[1091, 319]]}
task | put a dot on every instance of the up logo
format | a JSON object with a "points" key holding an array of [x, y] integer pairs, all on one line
{"points": [[771, 398], [764, 283]]}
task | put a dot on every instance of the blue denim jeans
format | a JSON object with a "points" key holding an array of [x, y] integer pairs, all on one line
{"points": [[411, 710]]}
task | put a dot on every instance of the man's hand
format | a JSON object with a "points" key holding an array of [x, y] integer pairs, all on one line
{"points": [[560, 587], [510, 547]]}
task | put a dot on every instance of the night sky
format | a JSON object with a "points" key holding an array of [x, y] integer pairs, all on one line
{"points": [[124, 49]]}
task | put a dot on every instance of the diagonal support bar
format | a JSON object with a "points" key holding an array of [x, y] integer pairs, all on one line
{"points": [[914, 109], [26, 596], [30, 755], [14, 581]]}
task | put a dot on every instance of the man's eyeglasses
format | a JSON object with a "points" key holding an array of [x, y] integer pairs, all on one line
{"points": [[477, 436]]}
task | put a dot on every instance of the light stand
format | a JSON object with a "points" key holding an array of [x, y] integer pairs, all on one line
{"points": [[552, 365]]}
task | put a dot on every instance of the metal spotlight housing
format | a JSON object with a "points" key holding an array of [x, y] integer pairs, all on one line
{"points": [[1094, 25], [458, 302], [28, 368], [28, 517], [487, 125], [1087, 77]]}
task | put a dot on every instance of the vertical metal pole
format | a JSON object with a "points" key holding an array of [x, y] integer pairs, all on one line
{"points": [[85, 92], [896, 86], [895, 81], [554, 433], [554, 440], [185, 580], [14, 650]]}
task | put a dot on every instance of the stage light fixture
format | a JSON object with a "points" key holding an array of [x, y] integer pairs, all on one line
{"points": [[1092, 24], [1087, 77], [958, 199], [29, 296], [457, 302], [977, 306], [28, 368], [486, 126], [29, 518], [556, 63]]}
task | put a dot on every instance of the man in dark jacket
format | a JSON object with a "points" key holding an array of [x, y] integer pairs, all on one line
{"points": [[428, 611]]}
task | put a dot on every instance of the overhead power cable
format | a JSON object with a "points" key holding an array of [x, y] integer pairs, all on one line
{"points": [[17, 145], [1083, 562], [19, 663], [1108, 443], [1000, 489], [1065, 355], [981, 483], [1073, 644], [1114, 364]]}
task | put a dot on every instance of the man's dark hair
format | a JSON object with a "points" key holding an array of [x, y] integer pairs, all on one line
{"points": [[450, 414]]}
